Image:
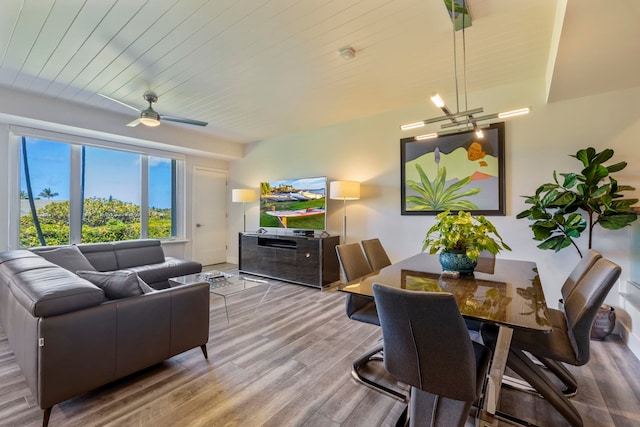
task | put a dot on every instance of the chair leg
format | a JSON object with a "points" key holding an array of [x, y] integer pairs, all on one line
{"points": [[361, 361], [427, 409], [523, 366], [563, 374], [46, 414], [203, 347]]}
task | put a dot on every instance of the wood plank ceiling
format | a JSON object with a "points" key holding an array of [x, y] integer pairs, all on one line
{"points": [[261, 68]]}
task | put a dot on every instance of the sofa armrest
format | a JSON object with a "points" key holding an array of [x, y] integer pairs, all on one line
{"points": [[76, 353]]}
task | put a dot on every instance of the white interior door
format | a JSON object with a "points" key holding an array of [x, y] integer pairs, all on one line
{"points": [[209, 216]]}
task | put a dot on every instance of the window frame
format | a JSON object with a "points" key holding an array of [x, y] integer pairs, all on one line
{"points": [[75, 143]]}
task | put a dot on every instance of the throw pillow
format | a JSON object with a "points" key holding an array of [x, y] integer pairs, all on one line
{"points": [[67, 257], [116, 284]]}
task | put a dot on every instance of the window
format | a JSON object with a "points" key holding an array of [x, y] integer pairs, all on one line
{"points": [[120, 195], [44, 189], [162, 197]]}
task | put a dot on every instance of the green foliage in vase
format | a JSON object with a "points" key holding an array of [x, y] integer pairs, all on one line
{"points": [[433, 196], [555, 207], [464, 233]]}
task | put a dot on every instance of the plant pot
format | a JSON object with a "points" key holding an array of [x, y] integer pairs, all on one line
{"points": [[603, 323], [457, 261]]}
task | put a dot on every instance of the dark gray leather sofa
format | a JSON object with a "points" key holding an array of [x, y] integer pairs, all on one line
{"points": [[68, 338]]}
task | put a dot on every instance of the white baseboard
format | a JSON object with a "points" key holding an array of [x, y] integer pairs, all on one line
{"points": [[630, 339], [630, 315]]}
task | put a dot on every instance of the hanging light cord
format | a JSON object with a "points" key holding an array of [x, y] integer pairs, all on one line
{"points": [[455, 55]]}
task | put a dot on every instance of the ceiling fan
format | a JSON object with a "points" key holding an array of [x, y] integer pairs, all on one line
{"points": [[149, 116]]}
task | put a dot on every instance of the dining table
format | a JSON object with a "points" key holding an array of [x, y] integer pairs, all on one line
{"points": [[503, 292]]}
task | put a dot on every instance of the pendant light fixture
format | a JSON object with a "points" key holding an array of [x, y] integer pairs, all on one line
{"points": [[460, 120]]}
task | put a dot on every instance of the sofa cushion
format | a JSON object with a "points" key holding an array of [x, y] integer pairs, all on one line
{"points": [[67, 257], [116, 284], [132, 253]]}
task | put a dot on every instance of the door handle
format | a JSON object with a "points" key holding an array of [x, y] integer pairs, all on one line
{"points": [[199, 225]]}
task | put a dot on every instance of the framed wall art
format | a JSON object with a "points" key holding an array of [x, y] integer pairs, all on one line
{"points": [[454, 172]]}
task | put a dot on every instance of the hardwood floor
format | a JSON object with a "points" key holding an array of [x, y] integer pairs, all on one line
{"points": [[286, 363]]}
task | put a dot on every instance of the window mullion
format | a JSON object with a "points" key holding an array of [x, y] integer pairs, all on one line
{"points": [[144, 197], [75, 194]]}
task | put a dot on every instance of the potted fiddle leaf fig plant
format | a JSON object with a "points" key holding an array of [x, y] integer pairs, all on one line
{"points": [[557, 207], [460, 238]]}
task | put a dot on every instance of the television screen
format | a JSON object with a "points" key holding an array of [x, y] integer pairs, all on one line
{"points": [[294, 203]]}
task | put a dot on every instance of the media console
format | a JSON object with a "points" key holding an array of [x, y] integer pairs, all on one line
{"points": [[310, 261]]}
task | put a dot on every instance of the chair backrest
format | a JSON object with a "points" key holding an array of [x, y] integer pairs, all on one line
{"points": [[584, 301], [578, 272], [426, 342], [376, 255], [352, 261]]}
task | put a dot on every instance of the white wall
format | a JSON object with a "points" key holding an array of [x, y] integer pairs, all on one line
{"points": [[368, 150]]}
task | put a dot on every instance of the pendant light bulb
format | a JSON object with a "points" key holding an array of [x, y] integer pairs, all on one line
{"points": [[437, 100]]}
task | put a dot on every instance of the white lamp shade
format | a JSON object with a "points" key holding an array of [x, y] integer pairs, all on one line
{"points": [[344, 190], [243, 195]]}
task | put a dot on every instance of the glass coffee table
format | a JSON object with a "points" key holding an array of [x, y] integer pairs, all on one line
{"points": [[223, 284]]}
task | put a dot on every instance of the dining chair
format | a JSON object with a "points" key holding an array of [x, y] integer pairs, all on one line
{"points": [[375, 253], [354, 265], [428, 347], [569, 339], [578, 273], [557, 368]]}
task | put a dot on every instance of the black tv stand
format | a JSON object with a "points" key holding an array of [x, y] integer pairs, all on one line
{"points": [[305, 260]]}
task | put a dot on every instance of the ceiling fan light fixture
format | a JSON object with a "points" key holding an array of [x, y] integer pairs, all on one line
{"points": [[149, 121], [149, 117]]}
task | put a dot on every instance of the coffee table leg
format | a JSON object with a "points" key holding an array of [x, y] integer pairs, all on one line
{"points": [[226, 309], [265, 295]]}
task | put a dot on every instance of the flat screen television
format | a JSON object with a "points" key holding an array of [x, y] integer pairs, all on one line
{"points": [[297, 204]]}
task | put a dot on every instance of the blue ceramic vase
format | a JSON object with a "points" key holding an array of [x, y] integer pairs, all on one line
{"points": [[457, 261]]}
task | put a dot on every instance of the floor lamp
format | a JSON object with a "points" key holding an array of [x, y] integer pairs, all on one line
{"points": [[344, 190], [243, 195]]}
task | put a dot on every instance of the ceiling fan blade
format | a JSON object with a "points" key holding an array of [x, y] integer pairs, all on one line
{"points": [[120, 102], [182, 120], [134, 123]]}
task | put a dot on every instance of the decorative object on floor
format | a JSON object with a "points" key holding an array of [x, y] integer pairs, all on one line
{"points": [[460, 18], [604, 322], [344, 190], [244, 195], [459, 236], [456, 172], [555, 208]]}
